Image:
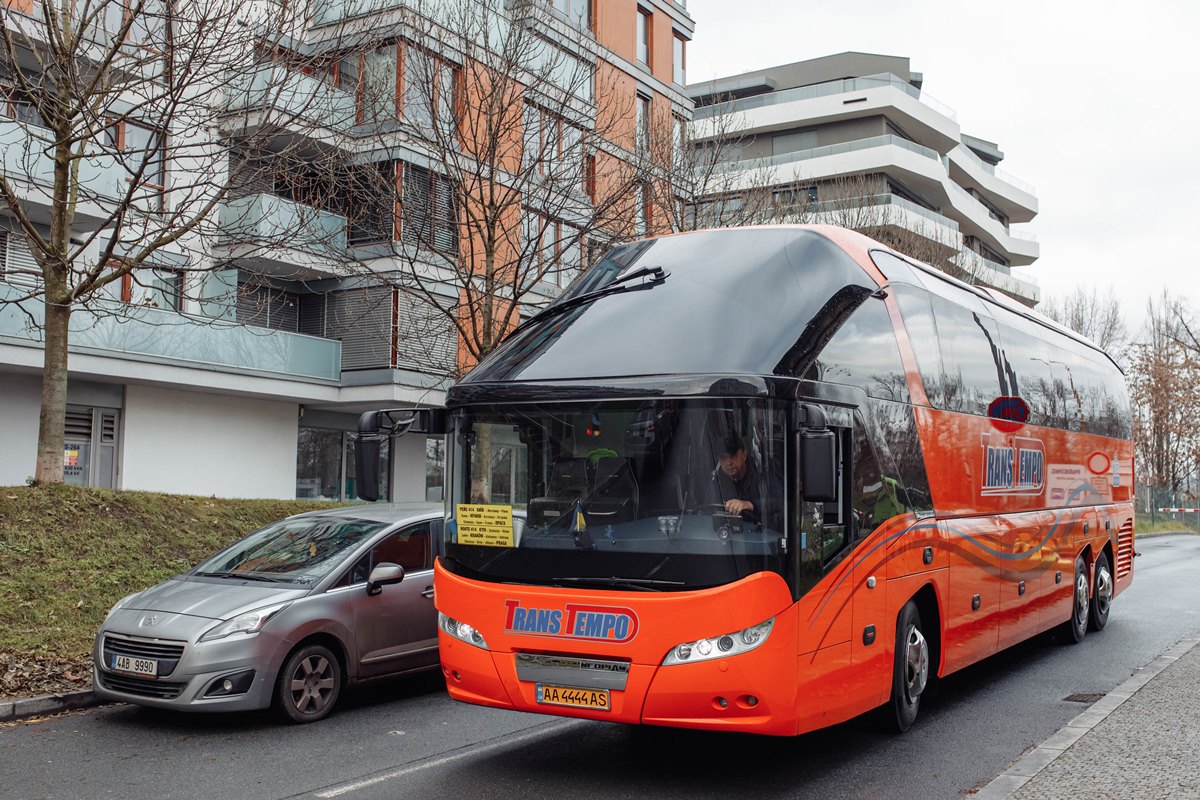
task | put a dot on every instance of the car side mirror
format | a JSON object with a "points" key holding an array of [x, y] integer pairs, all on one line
{"points": [[383, 575]]}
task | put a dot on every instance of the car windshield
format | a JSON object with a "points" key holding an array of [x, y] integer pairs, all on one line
{"points": [[301, 550], [666, 494]]}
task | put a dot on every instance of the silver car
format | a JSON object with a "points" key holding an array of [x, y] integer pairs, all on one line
{"points": [[285, 618]]}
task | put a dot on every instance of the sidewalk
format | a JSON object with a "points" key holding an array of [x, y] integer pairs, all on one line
{"points": [[1140, 742]]}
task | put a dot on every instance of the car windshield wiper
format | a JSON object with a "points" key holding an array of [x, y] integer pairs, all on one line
{"points": [[638, 584], [246, 576], [655, 274]]}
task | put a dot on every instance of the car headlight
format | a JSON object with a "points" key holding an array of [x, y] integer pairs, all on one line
{"points": [[461, 631], [249, 623], [729, 644], [120, 604]]}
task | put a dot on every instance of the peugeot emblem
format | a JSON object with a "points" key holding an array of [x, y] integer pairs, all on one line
{"points": [[149, 621]]}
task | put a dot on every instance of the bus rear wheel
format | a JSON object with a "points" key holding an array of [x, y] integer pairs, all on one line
{"points": [[1077, 625], [1102, 593], [911, 668]]}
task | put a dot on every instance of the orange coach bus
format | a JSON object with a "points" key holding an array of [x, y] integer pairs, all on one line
{"points": [[767, 479]]}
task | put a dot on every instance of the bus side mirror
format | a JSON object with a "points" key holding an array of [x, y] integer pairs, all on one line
{"points": [[366, 456], [818, 468], [375, 426]]}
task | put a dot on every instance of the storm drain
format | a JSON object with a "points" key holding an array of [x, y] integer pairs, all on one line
{"points": [[1084, 698]]}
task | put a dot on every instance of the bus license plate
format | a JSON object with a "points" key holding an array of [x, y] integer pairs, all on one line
{"points": [[572, 696], [138, 666]]}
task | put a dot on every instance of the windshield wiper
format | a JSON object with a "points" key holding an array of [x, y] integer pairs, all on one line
{"points": [[246, 576], [638, 584], [655, 274]]}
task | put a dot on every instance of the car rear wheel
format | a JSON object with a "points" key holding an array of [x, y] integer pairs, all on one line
{"points": [[308, 685]]}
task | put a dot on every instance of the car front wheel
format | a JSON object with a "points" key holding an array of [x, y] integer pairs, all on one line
{"points": [[308, 685]]}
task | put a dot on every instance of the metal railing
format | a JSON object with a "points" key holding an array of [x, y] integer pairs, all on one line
{"points": [[834, 149], [992, 169]]}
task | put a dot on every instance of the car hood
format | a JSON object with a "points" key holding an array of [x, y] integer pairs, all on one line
{"points": [[214, 598]]}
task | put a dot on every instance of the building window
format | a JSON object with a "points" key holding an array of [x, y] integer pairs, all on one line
{"points": [[430, 210], [643, 121], [551, 146], [679, 61], [19, 105], [430, 93], [644, 32], [142, 153], [325, 467], [166, 289], [551, 250], [378, 101], [577, 12], [147, 26], [589, 176]]}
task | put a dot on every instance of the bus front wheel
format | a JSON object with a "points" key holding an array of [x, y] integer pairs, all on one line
{"points": [[911, 668]]}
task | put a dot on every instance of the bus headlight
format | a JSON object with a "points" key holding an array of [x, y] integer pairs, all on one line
{"points": [[728, 644], [461, 631]]}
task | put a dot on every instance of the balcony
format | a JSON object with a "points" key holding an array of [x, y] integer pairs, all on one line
{"points": [[282, 237], [29, 166], [284, 97], [151, 334]]}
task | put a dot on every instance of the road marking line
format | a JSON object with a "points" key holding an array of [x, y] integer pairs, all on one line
{"points": [[471, 750]]}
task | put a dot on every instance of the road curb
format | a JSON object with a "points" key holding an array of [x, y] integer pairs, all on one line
{"points": [[1025, 768], [21, 708]]}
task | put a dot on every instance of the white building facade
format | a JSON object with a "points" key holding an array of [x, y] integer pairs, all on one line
{"points": [[248, 381], [806, 131]]}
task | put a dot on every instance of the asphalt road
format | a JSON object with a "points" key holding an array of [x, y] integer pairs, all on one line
{"points": [[405, 739]]}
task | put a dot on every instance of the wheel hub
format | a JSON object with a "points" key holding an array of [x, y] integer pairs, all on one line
{"points": [[916, 660], [1104, 589], [1081, 599]]}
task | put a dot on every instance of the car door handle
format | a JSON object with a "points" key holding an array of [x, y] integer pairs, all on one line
{"points": [[427, 592]]}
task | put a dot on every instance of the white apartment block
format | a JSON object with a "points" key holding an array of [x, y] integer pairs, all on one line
{"points": [[804, 127]]}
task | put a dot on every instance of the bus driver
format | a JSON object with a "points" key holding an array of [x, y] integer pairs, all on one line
{"points": [[736, 482]]}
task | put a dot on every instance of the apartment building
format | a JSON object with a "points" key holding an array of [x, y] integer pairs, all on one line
{"points": [[338, 270], [852, 139]]}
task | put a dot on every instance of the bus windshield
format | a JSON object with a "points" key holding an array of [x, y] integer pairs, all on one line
{"points": [[661, 495]]}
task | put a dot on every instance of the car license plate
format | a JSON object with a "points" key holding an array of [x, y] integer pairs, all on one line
{"points": [[138, 666], [572, 696]]}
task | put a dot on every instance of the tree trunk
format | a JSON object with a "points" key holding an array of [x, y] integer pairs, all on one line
{"points": [[54, 396]]}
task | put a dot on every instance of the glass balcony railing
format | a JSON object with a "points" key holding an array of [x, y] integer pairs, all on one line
{"points": [[120, 329], [824, 90], [278, 222], [25, 156], [992, 169], [832, 150], [293, 95]]}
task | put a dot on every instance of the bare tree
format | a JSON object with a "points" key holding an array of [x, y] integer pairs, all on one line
{"points": [[505, 153], [121, 168], [154, 149], [1163, 378], [1092, 314]]}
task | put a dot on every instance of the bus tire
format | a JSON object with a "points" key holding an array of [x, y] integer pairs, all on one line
{"points": [[1102, 591], [1076, 627], [910, 674]]}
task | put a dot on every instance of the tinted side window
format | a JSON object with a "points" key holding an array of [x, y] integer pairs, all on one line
{"points": [[971, 370], [922, 335], [863, 353]]}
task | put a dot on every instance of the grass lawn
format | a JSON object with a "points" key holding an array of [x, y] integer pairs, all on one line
{"points": [[69, 554]]}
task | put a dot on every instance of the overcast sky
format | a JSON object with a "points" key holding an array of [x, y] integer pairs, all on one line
{"points": [[1095, 104]]}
